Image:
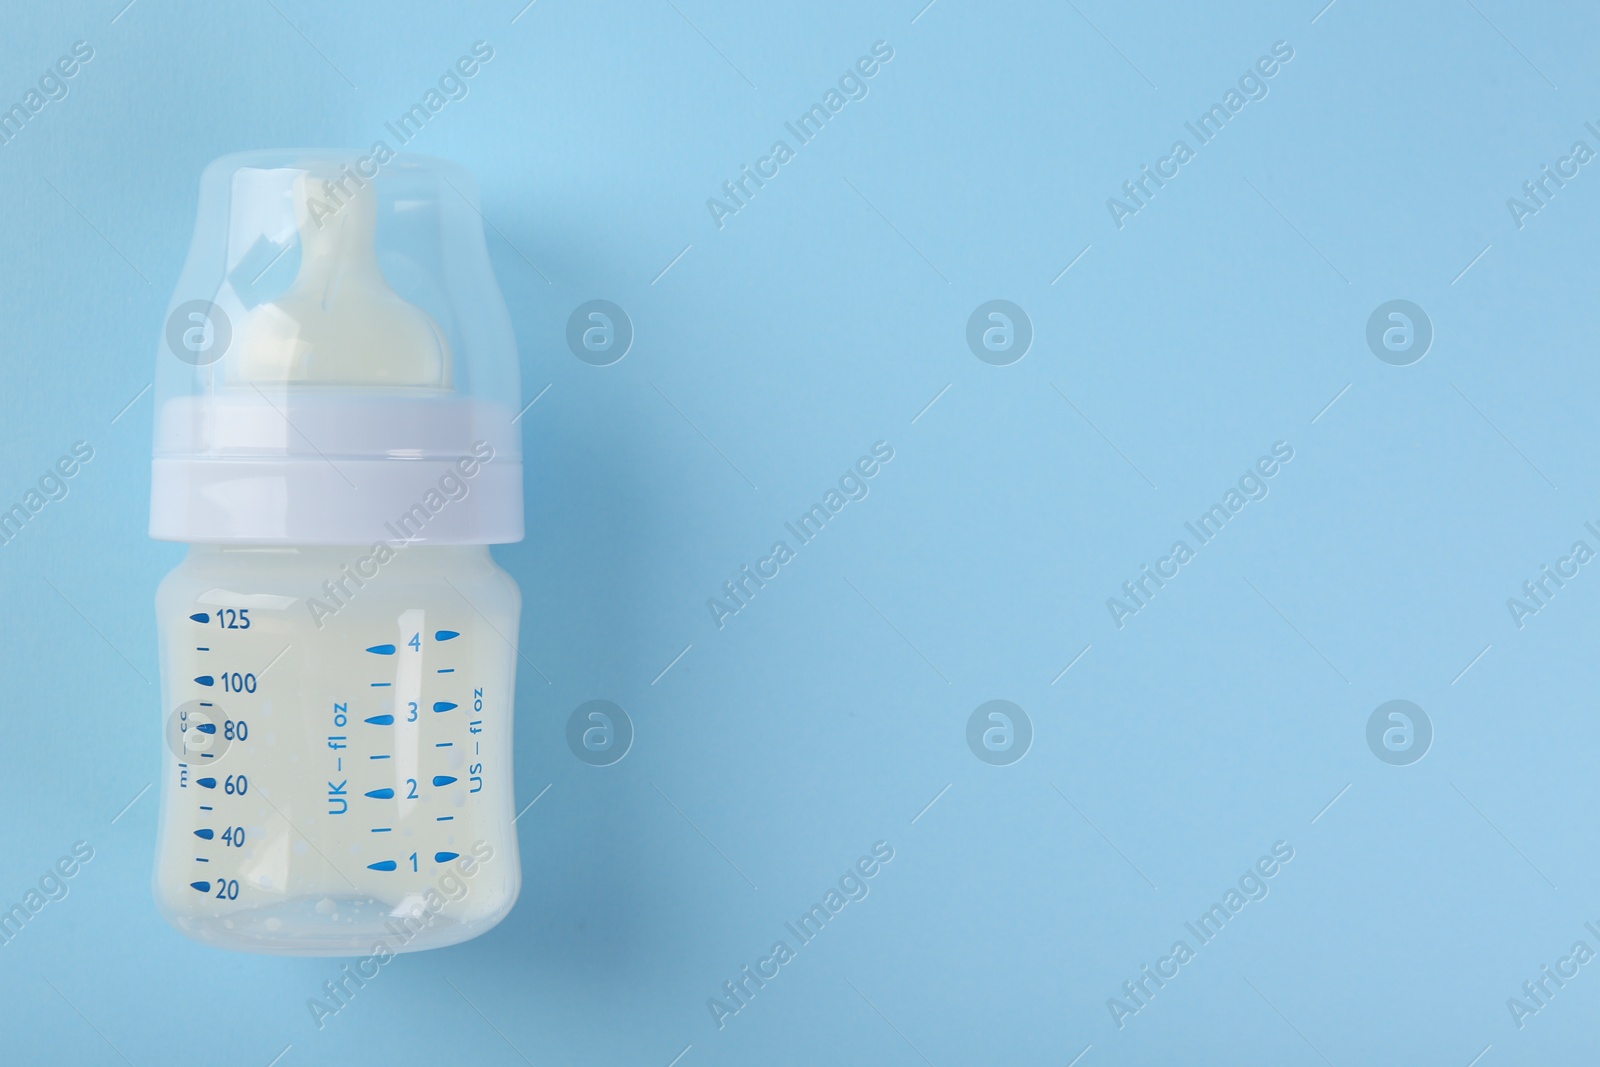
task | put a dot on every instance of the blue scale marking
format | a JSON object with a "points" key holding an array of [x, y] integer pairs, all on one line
{"points": [[381, 794], [377, 757], [206, 783], [205, 835], [382, 650], [382, 829], [382, 865], [442, 779], [206, 679], [447, 670], [204, 887], [443, 706], [446, 635], [381, 685], [445, 857], [201, 616], [381, 720], [207, 727]]}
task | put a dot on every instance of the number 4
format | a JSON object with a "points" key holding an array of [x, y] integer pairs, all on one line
{"points": [[416, 641]]}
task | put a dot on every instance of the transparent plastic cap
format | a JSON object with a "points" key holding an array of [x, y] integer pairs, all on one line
{"points": [[337, 335]]}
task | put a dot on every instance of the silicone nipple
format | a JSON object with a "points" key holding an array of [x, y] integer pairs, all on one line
{"points": [[340, 323]]}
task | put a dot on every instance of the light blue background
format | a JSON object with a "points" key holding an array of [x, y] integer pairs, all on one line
{"points": [[824, 317]]}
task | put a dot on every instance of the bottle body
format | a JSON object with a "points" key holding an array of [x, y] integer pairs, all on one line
{"points": [[336, 775]]}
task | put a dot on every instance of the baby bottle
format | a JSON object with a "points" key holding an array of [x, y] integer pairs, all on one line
{"points": [[334, 441]]}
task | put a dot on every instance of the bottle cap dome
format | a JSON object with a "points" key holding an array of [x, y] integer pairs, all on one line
{"points": [[337, 365]]}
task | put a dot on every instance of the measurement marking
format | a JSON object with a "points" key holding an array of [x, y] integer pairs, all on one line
{"points": [[440, 636], [896, 629], [1104, 838], [1469, 666], [382, 829], [201, 859], [929, 404], [1069, 266], [203, 807], [446, 635], [445, 818], [1330, 804], [199, 649], [930, 804], [702, 833], [447, 670], [383, 865], [444, 744], [92, 1026], [201, 617], [1469, 266], [442, 706], [532, 802], [207, 704], [675, 659], [674, 263], [1069, 666], [530, 404], [130, 403], [895, 228], [381, 685], [1330, 404], [381, 650], [130, 804], [377, 757]]}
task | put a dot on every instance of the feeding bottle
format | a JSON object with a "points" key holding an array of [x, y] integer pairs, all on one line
{"points": [[334, 440]]}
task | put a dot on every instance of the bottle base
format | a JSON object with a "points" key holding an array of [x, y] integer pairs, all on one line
{"points": [[333, 926]]}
